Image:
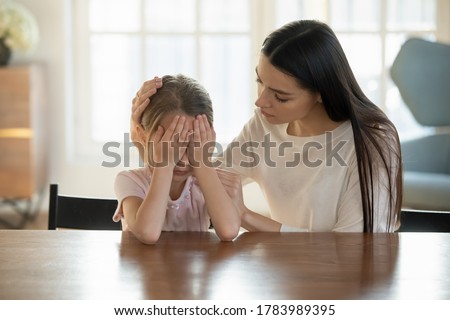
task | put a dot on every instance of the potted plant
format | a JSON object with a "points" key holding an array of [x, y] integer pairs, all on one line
{"points": [[18, 30]]}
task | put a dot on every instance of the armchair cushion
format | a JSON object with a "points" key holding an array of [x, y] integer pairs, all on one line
{"points": [[429, 191], [427, 154], [421, 73]]}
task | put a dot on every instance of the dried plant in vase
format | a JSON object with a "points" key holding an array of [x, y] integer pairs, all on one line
{"points": [[18, 30]]}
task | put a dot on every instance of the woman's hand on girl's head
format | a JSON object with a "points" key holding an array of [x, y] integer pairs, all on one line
{"points": [[139, 103], [202, 143]]}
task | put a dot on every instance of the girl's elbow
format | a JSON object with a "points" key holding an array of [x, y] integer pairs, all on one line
{"points": [[149, 238], [228, 234]]}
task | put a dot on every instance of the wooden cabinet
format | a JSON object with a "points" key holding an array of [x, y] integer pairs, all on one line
{"points": [[23, 127]]}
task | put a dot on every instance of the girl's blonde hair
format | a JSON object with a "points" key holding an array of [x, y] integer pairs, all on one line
{"points": [[179, 94]]}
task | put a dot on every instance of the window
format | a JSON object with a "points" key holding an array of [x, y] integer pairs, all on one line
{"points": [[121, 43], [371, 33]]}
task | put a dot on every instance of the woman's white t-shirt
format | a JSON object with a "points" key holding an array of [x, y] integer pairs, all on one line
{"points": [[309, 183]]}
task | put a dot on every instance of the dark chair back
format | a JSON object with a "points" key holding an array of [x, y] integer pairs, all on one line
{"points": [[80, 213], [424, 221]]}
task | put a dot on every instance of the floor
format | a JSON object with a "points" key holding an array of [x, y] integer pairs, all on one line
{"points": [[10, 218], [39, 222]]}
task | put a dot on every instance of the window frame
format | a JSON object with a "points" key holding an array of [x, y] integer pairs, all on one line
{"points": [[81, 146]]}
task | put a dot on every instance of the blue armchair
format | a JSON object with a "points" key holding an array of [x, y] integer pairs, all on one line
{"points": [[421, 71]]}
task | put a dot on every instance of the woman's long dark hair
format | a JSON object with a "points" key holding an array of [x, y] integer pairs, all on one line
{"points": [[310, 51]]}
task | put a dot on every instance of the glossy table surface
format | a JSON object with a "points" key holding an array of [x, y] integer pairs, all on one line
{"points": [[69, 264]]}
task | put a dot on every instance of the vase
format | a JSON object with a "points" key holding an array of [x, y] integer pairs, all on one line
{"points": [[5, 53]]}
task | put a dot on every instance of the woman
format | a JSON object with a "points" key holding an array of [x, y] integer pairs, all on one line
{"points": [[328, 158]]}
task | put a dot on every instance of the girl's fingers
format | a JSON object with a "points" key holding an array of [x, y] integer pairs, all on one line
{"points": [[158, 134], [196, 136], [179, 128], [175, 129], [184, 141], [206, 122], [185, 135], [202, 128], [213, 134], [210, 133], [171, 129]]}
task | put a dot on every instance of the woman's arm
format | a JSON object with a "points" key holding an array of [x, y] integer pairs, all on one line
{"points": [[139, 103], [253, 221], [250, 220], [224, 215]]}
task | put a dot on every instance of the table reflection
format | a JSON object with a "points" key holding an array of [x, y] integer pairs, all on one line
{"points": [[179, 266], [74, 264], [262, 266]]}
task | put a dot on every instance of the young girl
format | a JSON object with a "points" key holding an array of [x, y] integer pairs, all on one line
{"points": [[178, 189], [335, 161]]}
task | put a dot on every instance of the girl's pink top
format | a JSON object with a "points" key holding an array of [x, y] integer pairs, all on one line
{"points": [[187, 213]]}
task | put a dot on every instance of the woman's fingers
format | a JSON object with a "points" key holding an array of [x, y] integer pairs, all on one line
{"points": [[138, 109], [233, 186], [141, 100], [139, 104], [229, 178], [149, 86]]}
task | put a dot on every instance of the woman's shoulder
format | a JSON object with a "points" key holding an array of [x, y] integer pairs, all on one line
{"points": [[344, 130]]}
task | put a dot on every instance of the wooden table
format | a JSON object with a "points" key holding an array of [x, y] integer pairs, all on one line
{"points": [[188, 265]]}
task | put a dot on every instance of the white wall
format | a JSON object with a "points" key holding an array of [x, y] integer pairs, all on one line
{"points": [[73, 177]]}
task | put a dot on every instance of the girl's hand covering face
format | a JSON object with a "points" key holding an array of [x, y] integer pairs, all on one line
{"points": [[202, 143], [169, 146]]}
